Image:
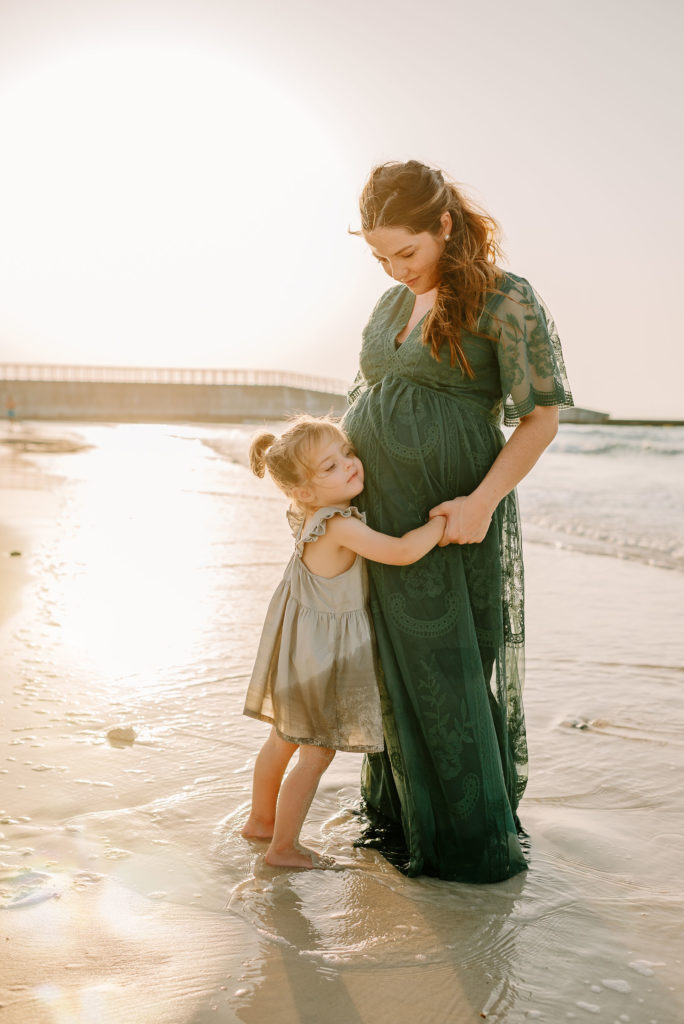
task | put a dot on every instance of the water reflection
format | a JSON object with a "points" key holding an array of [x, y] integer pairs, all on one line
{"points": [[128, 584], [146, 595], [334, 930]]}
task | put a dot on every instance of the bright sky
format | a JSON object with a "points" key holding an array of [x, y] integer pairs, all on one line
{"points": [[178, 176]]}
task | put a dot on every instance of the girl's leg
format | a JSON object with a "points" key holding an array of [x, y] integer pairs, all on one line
{"points": [[271, 762], [294, 800]]}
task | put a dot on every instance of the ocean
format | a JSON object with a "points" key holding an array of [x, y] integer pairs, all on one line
{"points": [[145, 556], [616, 491]]}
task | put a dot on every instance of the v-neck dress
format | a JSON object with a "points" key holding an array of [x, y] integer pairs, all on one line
{"points": [[315, 673], [442, 798]]}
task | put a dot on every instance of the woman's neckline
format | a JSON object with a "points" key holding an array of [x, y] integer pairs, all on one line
{"points": [[408, 292]]}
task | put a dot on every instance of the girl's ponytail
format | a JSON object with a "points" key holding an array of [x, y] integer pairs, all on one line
{"points": [[288, 457], [257, 452]]}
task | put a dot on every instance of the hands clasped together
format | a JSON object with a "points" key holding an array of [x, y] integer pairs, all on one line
{"points": [[467, 520]]}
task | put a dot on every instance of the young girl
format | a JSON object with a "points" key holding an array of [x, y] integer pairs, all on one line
{"points": [[314, 678]]}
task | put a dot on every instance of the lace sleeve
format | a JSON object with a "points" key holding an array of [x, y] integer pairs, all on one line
{"points": [[531, 366]]}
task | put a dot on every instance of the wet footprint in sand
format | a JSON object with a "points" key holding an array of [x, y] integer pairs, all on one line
{"points": [[28, 887]]}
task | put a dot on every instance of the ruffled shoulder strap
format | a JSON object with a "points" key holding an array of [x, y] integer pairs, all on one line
{"points": [[295, 520], [316, 527]]}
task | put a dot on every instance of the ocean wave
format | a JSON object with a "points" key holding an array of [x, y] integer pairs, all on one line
{"points": [[663, 552], [616, 448], [637, 441]]}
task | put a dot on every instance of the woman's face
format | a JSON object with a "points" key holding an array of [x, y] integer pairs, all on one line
{"points": [[409, 258]]}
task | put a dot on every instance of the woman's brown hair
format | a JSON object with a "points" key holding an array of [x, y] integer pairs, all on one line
{"points": [[414, 196]]}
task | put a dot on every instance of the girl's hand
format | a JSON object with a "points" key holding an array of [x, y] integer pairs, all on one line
{"points": [[467, 520]]}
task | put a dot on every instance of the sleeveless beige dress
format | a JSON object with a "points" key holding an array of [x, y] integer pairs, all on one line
{"points": [[315, 674]]}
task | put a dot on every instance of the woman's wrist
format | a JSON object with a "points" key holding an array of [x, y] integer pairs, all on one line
{"points": [[485, 499]]}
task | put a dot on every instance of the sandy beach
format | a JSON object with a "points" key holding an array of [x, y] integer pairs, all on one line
{"points": [[130, 619]]}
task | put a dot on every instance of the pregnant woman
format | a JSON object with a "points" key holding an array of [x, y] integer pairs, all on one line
{"points": [[455, 345]]}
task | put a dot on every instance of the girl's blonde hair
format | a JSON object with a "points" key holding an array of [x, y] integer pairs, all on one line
{"points": [[414, 196], [287, 458]]}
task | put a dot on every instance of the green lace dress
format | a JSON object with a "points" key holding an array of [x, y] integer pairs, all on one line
{"points": [[442, 798]]}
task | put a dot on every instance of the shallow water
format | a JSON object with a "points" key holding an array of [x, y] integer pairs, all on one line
{"points": [[151, 555]]}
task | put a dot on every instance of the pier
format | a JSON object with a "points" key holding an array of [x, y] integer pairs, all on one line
{"points": [[168, 394], [162, 394]]}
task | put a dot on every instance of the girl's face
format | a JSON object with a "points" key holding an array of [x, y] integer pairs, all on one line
{"points": [[337, 475], [409, 258]]}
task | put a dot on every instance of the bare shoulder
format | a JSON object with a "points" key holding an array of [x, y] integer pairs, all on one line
{"points": [[329, 553]]}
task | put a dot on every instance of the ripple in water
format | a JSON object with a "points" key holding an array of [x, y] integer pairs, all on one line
{"points": [[363, 912]]}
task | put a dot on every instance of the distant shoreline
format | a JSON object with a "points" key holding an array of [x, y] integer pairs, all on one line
{"points": [[592, 418], [641, 423], [15, 433]]}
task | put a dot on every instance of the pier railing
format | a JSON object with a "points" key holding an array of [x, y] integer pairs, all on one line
{"points": [[163, 394], [57, 373]]}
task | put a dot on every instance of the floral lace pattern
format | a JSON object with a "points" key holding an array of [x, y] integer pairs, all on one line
{"points": [[442, 799], [529, 352]]}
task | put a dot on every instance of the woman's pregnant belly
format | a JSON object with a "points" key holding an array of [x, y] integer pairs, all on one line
{"points": [[419, 447]]}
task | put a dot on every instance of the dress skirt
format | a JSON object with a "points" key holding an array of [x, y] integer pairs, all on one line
{"points": [[442, 798]]}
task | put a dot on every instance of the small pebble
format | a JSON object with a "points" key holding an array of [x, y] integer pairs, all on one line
{"points": [[124, 734]]}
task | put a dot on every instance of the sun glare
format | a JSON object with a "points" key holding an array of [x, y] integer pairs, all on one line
{"points": [[158, 203]]}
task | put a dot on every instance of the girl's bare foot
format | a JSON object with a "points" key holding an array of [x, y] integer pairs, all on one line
{"points": [[299, 857], [255, 829]]}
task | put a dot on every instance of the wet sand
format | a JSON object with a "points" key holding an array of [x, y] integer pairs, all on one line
{"points": [[147, 558]]}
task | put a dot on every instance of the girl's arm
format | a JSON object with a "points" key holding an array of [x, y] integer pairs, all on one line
{"points": [[468, 518], [380, 547]]}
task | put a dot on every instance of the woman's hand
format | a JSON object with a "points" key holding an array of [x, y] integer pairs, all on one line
{"points": [[467, 520]]}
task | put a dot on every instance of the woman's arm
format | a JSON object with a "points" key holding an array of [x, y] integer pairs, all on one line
{"points": [[380, 547], [468, 517]]}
